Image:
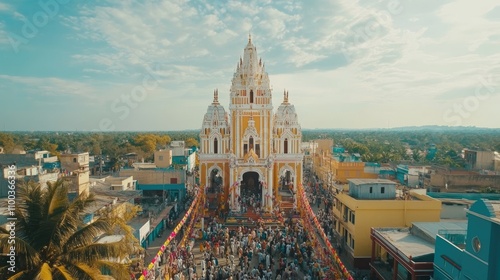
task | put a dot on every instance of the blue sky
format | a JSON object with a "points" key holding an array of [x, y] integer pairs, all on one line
{"points": [[153, 65]]}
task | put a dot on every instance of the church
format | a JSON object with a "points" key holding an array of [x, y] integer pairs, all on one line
{"points": [[250, 151]]}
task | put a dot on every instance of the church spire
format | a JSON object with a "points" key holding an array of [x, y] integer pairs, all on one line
{"points": [[285, 97], [216, 96]]}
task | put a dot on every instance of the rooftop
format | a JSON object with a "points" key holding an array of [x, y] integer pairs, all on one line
{"points": [[371, 181], [408, 244], [431, 229]]}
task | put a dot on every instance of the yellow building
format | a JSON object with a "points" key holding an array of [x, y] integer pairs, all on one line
{"points": [[251, 150], [340, 168], [376, 203]]}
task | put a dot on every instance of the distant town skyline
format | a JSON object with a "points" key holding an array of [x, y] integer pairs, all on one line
{"points": [[133, 66]]}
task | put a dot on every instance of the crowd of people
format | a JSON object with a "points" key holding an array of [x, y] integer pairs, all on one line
{"points": [[259, 252], [318, 196], [256, 252]]}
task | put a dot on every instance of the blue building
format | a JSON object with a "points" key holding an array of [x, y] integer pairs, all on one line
{"points": [[471, 254], [402, 173]]}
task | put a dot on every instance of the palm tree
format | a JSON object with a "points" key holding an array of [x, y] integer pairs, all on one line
{"points": [[52, 242]]}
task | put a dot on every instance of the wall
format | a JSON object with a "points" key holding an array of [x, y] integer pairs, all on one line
{"points": [[453, 211], [441, 266], [163, 158], [484, 160], [462, 182], [72, 162], [154, 176], [363, 191], [323, 146], [475, 265], [122, 184]]}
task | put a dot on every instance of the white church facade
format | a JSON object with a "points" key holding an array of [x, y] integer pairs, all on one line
{"points": [[250, 151]]}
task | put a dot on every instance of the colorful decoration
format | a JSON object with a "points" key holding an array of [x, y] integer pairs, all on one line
{"points": [[194, 205], [324, 255]]}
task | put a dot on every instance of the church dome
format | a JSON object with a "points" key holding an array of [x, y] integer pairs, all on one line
{"points": [[285, 116], [216, 117]]}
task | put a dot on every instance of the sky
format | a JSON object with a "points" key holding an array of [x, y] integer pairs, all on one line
{"points": [[122, 65]]}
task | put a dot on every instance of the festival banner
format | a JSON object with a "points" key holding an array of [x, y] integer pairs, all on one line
{"points": [[310, 214]]}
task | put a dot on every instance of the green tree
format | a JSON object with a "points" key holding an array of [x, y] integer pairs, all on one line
{"points": [[51, 241], [191, 142], [7, 142]]}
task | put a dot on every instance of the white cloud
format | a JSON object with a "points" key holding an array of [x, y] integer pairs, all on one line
{"points": [[398, 59]]}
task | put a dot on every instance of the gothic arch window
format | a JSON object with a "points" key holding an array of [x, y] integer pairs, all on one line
{"points": [[285, 146], [216, 146], [251, 96], [250, 142]]}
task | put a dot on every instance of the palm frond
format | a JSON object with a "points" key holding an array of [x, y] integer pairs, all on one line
{"points": [[45, 273], [26, 254], [18, 275], [99, 251], [82, 271], [118, 270], [86, 235], [63, 272]]}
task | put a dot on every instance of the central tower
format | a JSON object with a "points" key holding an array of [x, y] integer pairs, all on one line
{"points": [[251, 154]]}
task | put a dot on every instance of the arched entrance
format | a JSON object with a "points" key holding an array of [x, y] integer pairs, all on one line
{"points": [[250, 186], [286, 180], [215, 181]]}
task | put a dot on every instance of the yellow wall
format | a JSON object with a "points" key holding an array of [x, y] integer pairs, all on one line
{"points": [[341, 171], [382, 213]]}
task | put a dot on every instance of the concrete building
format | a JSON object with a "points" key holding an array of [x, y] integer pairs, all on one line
{"points": [[411, 176], [251, 150], [163, 183], [376, 203], [75, 171], [339, 168], [496, 164], [163, 158], [476, 160], [473, 253], [308, 149], [407, 253], [323, 146], [444, 180], [28, 167]]}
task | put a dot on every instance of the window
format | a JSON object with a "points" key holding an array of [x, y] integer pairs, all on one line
{"points": [[353, 218], [371, 189], [173, 180], [352, 244], [382, 190], [216, 146], [250, 142], [257, 149], [74, 159], [245, 149], [285, 146], [251, 96]]}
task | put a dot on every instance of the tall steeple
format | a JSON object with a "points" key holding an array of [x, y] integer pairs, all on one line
{"points": [[250, 83]]}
